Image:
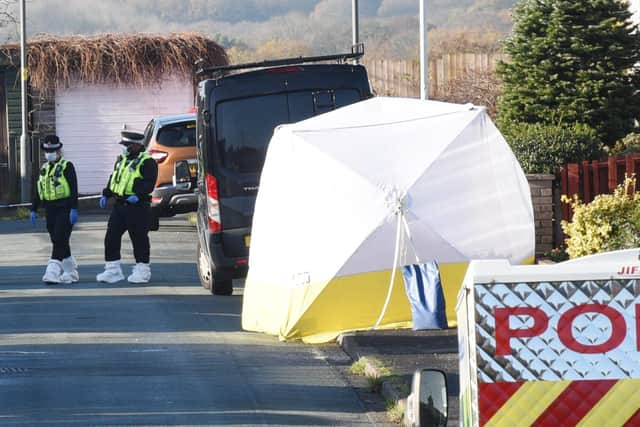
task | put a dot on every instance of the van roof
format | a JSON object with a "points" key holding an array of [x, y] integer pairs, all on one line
{"points": [[250, 74], [357, 51]]}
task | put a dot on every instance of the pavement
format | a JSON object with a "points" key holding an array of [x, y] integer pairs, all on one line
{"points": [[394, 355]]}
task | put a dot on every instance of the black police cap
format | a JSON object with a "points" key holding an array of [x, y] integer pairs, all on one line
{"points": [[51, 143], [131, 137]]}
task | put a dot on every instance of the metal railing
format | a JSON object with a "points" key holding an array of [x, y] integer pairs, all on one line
{"points": [[357, 51]]}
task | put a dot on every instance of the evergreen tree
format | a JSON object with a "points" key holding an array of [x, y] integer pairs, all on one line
{"points": [[572, 61]]}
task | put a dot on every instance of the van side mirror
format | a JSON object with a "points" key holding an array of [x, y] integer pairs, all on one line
{"points": [[427, 403]]}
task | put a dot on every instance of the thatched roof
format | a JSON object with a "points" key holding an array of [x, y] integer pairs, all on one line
{"points": [[138, 59]]}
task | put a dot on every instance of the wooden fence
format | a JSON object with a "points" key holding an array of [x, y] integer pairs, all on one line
{"points": [[590, 178], [402, 78]]}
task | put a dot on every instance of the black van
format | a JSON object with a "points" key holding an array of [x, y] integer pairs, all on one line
{"points": [[236, 116]]}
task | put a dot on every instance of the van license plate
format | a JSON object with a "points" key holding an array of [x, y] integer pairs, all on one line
{"points": [[247, 240]]}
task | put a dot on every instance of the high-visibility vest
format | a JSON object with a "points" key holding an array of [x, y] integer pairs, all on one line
{"points": [[52, 184], [125, 173]]}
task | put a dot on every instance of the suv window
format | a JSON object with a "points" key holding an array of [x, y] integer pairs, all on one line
{"points": [[178, 135], [243, 148]]}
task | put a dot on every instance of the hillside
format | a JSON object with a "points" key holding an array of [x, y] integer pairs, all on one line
{"points": [[388, 27]]}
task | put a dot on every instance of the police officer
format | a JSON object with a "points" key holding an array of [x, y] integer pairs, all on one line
{"points": [[130, 184], [57, 191]]}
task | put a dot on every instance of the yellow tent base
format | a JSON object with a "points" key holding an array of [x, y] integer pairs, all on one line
{"points": [[318, 313]]}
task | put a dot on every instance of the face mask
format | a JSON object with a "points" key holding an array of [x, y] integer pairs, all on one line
{"points": [[133, 149], [51, 157], [125, 150]]}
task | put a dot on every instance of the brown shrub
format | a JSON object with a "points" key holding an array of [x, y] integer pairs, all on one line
{"points": [[139, 59], [477, 87]]}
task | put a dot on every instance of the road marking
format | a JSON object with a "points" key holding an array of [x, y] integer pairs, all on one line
{"points": [[76, 291], [176, 337]]}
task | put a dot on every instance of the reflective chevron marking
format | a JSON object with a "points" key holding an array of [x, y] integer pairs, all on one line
{"points": [[617, 407], [560, 403]]}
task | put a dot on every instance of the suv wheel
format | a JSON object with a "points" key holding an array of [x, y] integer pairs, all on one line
{"points": [[216, 286]]}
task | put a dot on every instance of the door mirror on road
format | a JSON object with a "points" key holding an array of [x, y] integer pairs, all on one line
{"points": [[182, 175], [427, 403]]}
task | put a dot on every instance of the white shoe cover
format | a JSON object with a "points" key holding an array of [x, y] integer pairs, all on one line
{"points": [[141, 273], [53, 273], [112, 273], [70, 267]]}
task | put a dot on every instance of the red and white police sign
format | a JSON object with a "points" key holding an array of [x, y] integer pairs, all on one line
{"points": [[587, 329], [565, 327]]}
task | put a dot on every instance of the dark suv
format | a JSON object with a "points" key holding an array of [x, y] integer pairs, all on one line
{"points": [[236, 116]]}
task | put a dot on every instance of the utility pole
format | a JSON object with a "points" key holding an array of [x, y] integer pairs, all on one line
{"points": [[354, 25], [424, 55], [25, 149]]}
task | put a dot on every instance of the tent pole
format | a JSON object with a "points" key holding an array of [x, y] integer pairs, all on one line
{"points": [[406, 230], [393, 269]]}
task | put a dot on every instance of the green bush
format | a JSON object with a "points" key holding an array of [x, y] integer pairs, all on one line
{"points": [[627, 145], [542, 148], [558, 254], [575, 60], [610, 222]]}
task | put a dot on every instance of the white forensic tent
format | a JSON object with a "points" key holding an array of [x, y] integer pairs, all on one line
{"points": [[333, 191]]}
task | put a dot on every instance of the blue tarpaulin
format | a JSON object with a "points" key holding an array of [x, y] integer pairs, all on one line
{"points": [[424, 290]]}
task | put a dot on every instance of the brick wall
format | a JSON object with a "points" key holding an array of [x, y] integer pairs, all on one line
{"points": [[541, 187]]}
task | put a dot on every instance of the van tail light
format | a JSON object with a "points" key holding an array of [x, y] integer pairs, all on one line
{"points": [[213, 206], [158, 156]]}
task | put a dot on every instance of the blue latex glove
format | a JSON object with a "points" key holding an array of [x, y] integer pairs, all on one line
{"points": [[103, 202], [73, 216], [133, 199], [32, 218]]}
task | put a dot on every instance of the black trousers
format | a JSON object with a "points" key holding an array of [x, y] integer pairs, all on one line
{"points": [[59, 228], [134, 219]]}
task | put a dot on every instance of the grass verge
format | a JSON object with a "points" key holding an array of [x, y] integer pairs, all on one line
{"points": [[395, 413], [377, 376], [373, 369], [16, 213], [192, 218], [358, 367]]}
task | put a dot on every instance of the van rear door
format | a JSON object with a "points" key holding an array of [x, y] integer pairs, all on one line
{"points": [[242, 142], [241, 127]]}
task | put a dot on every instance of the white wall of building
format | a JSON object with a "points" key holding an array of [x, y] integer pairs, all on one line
{"points": [[89, 119]]}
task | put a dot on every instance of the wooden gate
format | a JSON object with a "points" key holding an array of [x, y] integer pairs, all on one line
{"points": [[590, 178]]}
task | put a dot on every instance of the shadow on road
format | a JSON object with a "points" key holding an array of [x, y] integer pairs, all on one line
{"points": [[162, 273], [29, 306]]}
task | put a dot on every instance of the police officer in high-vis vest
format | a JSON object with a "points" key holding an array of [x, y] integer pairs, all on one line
{"points": [[57, 191], [130, 184]]}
